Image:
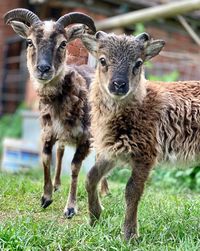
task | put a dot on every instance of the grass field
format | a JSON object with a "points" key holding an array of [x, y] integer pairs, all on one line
{"points": [[169, 216]]}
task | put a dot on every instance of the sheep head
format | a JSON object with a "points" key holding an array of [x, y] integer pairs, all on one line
{"points": [[120, 60], [46, 41]]}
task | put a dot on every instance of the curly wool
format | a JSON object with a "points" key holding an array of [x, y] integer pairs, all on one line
{"points": [[65, 111], [163, 125]]}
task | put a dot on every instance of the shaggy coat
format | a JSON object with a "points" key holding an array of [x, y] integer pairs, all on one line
{"points": [[65, 112], [134, 120], [164, 126], [62, 92]]}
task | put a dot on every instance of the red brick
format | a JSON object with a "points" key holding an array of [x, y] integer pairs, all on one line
{"points": [[74, 50]]}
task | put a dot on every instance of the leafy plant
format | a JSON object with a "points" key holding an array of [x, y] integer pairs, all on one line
{"points": [[11, 125], [178, 177], [170, 77], [139, 28]]}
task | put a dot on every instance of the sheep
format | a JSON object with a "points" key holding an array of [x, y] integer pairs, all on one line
{"points": [[62, 92], [136, 121]]}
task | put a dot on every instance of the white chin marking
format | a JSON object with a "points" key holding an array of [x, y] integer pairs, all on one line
{"points": [[43, 81], [118, 97]]}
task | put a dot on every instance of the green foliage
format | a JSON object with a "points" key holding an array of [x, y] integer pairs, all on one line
{"points": [[11, 125], [120, 175], [170, 77], [179, 178], [139, 28], [168, 218]]}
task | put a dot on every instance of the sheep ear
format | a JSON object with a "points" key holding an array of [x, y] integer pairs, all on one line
{"points": [[153, 48], [143, 37], [20, 28], [91, 43], [100, 35]]}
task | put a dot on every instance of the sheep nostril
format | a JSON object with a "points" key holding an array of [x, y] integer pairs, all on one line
{"points": [[43, 68], [119, 84]]}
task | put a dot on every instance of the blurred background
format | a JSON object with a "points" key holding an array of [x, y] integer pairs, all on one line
{"points": [[176, 22], [169, 210]]}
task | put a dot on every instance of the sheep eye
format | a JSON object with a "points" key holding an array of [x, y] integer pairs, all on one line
{"points": [[102, 61], [63, 44], [29, 42], [137, 65]]}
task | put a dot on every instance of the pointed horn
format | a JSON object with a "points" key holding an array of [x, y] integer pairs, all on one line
{"points": [[76, 17], [21, 14]]}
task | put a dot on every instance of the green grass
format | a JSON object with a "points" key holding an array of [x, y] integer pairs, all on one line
{"points": [[169, 217]]}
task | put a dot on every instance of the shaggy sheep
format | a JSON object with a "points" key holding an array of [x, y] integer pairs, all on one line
{"points": [[62, 91], [136, 121]]}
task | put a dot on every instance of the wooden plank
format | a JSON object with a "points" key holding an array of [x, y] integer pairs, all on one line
{"points": [[99, 8], [152, 13], [13, 59]]}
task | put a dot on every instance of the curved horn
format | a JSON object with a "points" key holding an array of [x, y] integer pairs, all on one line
{"points": [[21, 14], [77, 17]]}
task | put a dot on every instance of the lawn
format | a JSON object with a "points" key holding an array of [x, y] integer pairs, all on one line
{"points": [[169, 216]]}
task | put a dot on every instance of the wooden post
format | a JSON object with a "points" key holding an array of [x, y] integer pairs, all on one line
{"points": [[160, 11]]}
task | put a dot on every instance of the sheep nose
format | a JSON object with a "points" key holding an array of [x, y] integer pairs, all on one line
{"points": [[43, 68], [119, 84]]}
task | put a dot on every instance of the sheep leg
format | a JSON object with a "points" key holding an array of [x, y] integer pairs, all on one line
{"points": [[104, 190], [46, 199], [101, 168], [80, 154], [133, 193], [59, 155]]}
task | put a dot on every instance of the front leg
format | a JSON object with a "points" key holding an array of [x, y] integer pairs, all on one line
{"points": [[59, 156], [80, 154], [47, 144], [46, 199], [100, 169], [133, 193]]}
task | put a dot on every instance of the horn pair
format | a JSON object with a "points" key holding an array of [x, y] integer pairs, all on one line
{"points": [[28, 16]]}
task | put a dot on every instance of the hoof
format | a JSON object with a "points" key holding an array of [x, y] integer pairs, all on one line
{"points": [[45, 202], [105, 193], [131, 236], [69, 213], [56, 188], [93, 221]]}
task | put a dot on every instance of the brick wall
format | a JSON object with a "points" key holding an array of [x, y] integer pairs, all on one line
{"points": [[5, 30], [180, 53], [77, 53]]}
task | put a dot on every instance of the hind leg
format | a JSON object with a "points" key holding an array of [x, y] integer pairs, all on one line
{"points": [[80, 154], [104, 189], [59, 155]]}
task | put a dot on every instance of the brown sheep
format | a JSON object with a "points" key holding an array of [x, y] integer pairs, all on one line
{"points": [[62, 91], [136, 121]]}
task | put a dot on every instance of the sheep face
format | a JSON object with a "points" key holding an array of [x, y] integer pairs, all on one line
{"points": [[46, 41], [46, 50], [120, 60]]}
